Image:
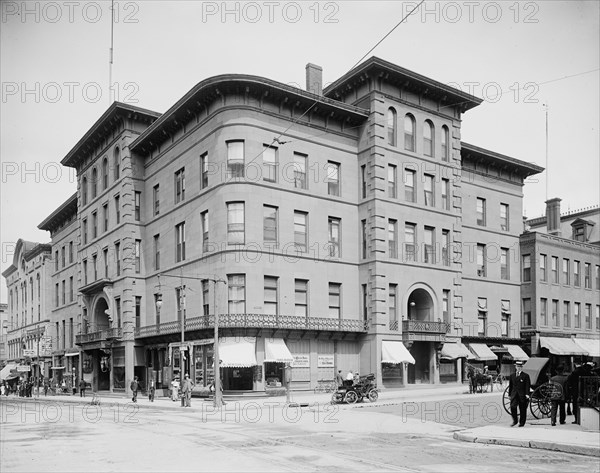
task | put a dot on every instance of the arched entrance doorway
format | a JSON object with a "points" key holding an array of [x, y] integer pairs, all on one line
{"points": [[420, 309], [102, 360]]}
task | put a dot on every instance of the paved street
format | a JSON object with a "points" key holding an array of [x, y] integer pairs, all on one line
{"points": [[53, 435]]}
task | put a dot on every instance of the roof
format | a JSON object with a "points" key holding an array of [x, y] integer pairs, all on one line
{"points": [[470, 151], [27, 250], [62, 213], [104, 127], [377, 67]]}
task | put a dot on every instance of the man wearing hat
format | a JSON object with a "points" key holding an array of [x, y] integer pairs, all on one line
{"points": [[519, 386], [186, 390]]}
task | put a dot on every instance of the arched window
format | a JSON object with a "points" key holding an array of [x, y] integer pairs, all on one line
{"points": [[117, 163], [445, 140], [105, 174], [428, 141], [84, 190], [94, 183], [409, 132], [391, 126], [24, 294]]}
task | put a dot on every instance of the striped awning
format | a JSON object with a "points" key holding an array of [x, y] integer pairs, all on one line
{"points": [[482, 352], [590, 345], [561, 346], [516, 352], [277, 351], [452, 351], [395, 352], [237, 352]]}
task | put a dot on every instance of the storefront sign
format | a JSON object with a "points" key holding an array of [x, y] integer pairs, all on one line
{"points": [[301, 361], [29, 352], [325, 361], [23, 368]]}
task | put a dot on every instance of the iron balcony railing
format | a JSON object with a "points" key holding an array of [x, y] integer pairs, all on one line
{"points": [[106, 334], [254, 321], [425, 326]]}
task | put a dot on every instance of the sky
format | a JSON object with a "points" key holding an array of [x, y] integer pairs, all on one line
{"points": [[527, 60]]}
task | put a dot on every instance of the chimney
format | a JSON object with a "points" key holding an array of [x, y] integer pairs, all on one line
{"points": [[553, 216], [314, 79]]}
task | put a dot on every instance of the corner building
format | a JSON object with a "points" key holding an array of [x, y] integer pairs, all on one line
{"points": [[327, 228]]}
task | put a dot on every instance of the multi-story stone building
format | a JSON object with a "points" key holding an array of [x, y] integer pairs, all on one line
{"points": [[27, 327], [3, 335], [345, 228], [561, 284]]}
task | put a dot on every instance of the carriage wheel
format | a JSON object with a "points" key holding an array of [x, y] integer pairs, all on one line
{"points": [[373, 395], [351, 397], [540, 402], [337, 398], [506, 401]]}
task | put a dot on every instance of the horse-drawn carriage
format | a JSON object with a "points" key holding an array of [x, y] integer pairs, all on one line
{"points": [[482, 381], [540, 400], [352, 392]]}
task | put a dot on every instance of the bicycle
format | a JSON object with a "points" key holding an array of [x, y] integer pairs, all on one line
{"points": [[325, 386]]}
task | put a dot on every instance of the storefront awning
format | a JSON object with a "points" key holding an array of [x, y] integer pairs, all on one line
{"points": [[277, 351], [5, 372], [589, 345], [561, 346], [237, 352], [72, 354], [57, 368], [482, 352], [516, 352], [395, 352], [452, 351]]}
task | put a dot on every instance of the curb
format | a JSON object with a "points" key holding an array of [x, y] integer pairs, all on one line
{"points": [[539, 444]]}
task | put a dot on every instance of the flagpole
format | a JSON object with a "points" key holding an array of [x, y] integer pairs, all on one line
{"points": [[110, 53]]}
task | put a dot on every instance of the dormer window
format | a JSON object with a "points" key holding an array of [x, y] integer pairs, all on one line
{"points": [[581, 229]]}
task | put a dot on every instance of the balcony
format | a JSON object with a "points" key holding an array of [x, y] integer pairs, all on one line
{"points": [[424, 331], [257, 321], [99, 336]]}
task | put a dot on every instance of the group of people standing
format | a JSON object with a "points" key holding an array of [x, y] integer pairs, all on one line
{"points": [[339, 378]]}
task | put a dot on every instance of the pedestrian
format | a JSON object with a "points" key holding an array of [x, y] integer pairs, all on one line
{"points": [[151, 390], [135, 386], [339, 379], [82, 388], [186, 391], [573, 387], [519, 386], [175, 389], [46, 386], [558, 396], [350, 376]]}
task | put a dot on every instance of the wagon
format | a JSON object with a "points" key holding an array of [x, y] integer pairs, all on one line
{"points": [[540, 400]]}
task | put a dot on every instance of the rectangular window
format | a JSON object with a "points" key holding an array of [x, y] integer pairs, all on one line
{"points": [[300, 164], [334, 228], [393, 238], [71, 332], [480, 211], [429, 245], [555, 313], [410, 242], [270, 163], [105, 218], [543, 259], [566, 314], [56, 295], [204, 171], [504, 217], [156, 199], [301, 231], [180, 242], [63, 260], [587, 275], [270, 231], [64, 292], [598, 318], [137, 206], [70, 252], [365, 306], [94, 225], [409, 185], [271, 296], [71, 291], [138, 256], [554, 269], [393, 306], [105, 259], [180, 185], [445, 194], [138, 311], [363, 237], [576, 266], [205, 229], [335, 308], [446, 247], [85, 271], [332, 175], [482, 316], [566, 272], [118, 209], [236, 284], [428, 189], [597, 277], [505, 312], [392, 178], [504, 263], [446, 306], [577, 314], [544, 311], [588, 316], [527, 268], [235, 223], [481, 261], [301, 298], [235, 159], [363, 181], [156, 252], [205, 298], [63, 339], [118, 257], [95, 266]]}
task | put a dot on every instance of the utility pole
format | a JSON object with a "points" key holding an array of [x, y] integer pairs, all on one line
{"points": [[217, 360]]}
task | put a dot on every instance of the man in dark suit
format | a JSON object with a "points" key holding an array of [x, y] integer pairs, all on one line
{"points": [[518, 389]]}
